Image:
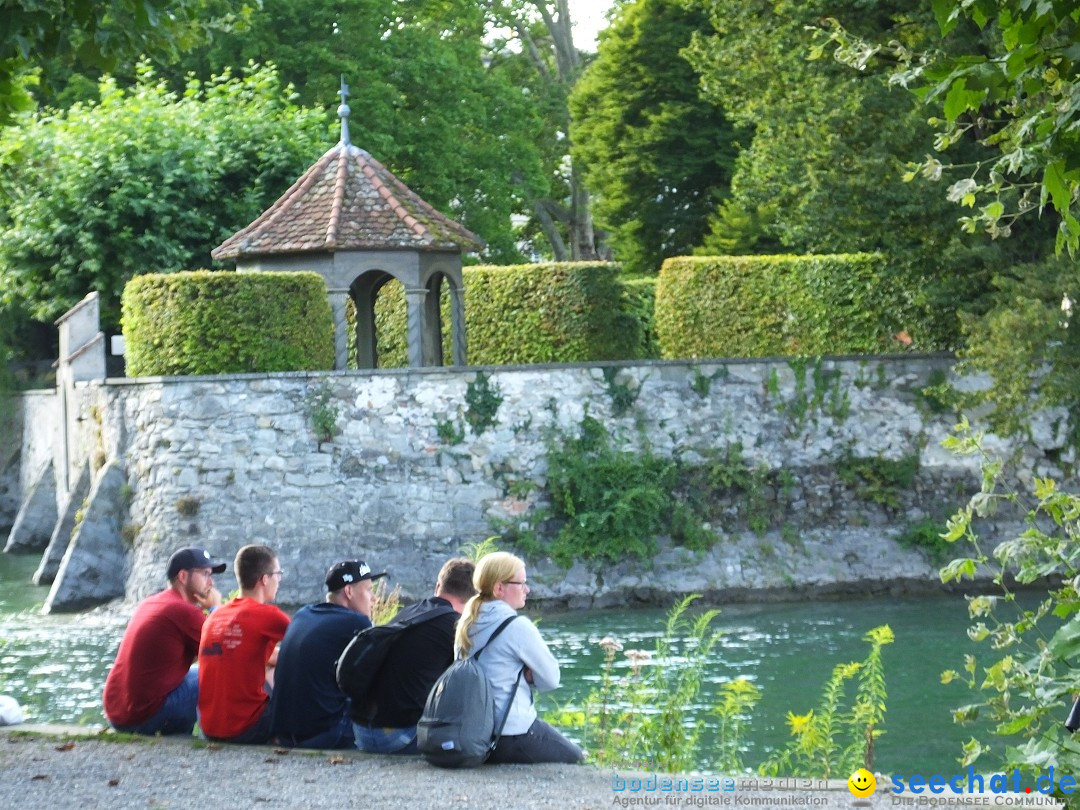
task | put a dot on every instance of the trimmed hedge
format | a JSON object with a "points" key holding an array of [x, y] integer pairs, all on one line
{"points": [[557, 312], [760, 306], [204, 322], [641, 303]]}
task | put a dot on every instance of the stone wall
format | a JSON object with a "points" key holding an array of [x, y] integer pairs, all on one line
{"points": [[407, 479], [27, 443]]}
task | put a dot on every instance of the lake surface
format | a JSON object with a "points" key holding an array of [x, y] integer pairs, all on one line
{"points": [[55, 666]]}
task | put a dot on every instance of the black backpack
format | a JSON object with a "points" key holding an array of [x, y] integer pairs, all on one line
{"points": [[458, 727], [358, 665]]}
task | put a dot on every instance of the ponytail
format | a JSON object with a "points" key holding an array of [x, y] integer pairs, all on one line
{"points": [[493, 568]]}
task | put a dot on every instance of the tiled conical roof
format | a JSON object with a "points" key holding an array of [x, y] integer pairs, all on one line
{"points": [[347, 201]]}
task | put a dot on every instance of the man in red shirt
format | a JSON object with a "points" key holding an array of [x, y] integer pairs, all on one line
{"points": [[238, 646], [152, 687]]}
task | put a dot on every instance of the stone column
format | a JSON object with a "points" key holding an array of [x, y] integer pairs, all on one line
{"points": [[338, 301], [457, 325], [414, 300]]}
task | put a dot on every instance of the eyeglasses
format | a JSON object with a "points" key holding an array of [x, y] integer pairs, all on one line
{"points": [[512, 582], [278, 574]]}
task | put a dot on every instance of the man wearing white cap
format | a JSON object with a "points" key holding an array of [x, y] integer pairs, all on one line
{"points": [[152, 687], [309, 711]]}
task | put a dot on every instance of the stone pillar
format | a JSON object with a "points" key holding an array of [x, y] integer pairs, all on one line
{"points": [[95, 566], [457, 325], [414, 299], [37, 515], [339, 300]]}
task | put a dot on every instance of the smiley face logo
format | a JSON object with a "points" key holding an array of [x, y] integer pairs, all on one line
{"points": [[862, 783]]}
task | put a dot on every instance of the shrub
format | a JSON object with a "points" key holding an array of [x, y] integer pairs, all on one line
{"points": [[1024, 679], [643, 716], [761, 306], [641, 303], [204, 322], [834, 739], [562, 312]]}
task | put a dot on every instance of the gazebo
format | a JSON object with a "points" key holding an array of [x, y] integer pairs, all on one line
{"points": [[349, 219]]}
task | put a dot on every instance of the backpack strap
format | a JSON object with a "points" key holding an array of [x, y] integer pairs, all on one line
{"points": [[495, 635], [506, 714], [513, 692], [420, 618]]}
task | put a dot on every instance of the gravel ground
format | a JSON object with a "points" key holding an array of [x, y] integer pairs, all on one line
{"points": [[48, 767]]}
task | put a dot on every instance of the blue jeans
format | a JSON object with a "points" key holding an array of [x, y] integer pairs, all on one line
{"points": [[377, 740], [258, 733], [177, 713], [336, 737]]}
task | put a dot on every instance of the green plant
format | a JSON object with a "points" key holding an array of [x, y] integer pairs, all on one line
{"points": [[450, 432], [790, 535], [127, 493], [613, 504], [737, 701], [879, 480], [623, 396], [769, 306], [520, 488], [385, 603], [128, 533], [699, 383], [1028, 677], [323, 412], [786, 480], [188, 505], [938, 395], [927, 536], [474, 551], [548, 312], [204, 322], [828, 396], [482, 401], [833, 740], [642, 716]]}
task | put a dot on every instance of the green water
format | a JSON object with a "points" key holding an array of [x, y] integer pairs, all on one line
{"points": [[55, 666]]}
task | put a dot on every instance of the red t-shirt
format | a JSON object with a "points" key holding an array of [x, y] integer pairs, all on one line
{"points": [[237, 641], [155, 654]]}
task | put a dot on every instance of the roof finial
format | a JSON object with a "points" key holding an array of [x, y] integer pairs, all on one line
{"points": [[343, 111]]}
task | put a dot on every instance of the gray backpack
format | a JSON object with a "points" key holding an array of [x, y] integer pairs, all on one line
{"points": [[458, 727]]}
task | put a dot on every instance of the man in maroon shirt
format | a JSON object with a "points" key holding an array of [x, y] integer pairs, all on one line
{"points": [[152, 687]]}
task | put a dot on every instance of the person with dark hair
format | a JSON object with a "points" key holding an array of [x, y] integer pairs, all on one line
{"points": [[308, 709], [238, 651], [386, 722], [152, 687], [518, 651]]}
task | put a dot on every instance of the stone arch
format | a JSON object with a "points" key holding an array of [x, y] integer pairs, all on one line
{"points": [[422, 284], [364, 290], [437, 281]]}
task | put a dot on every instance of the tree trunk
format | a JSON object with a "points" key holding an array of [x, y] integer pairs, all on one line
{"points": [[578, 221], [548, 224]]}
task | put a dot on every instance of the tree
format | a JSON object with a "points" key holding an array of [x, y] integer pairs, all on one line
{"points": [[461, 136], [821, 172], [142, 181], [1003, 79], [657, 157], [36, 35], [1015, 93], [541, 35]]}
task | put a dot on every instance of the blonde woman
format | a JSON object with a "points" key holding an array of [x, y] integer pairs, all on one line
{"points": [[501, 592]]}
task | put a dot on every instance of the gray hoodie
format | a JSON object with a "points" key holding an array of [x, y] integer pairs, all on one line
{"points": [[517, 646]]}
